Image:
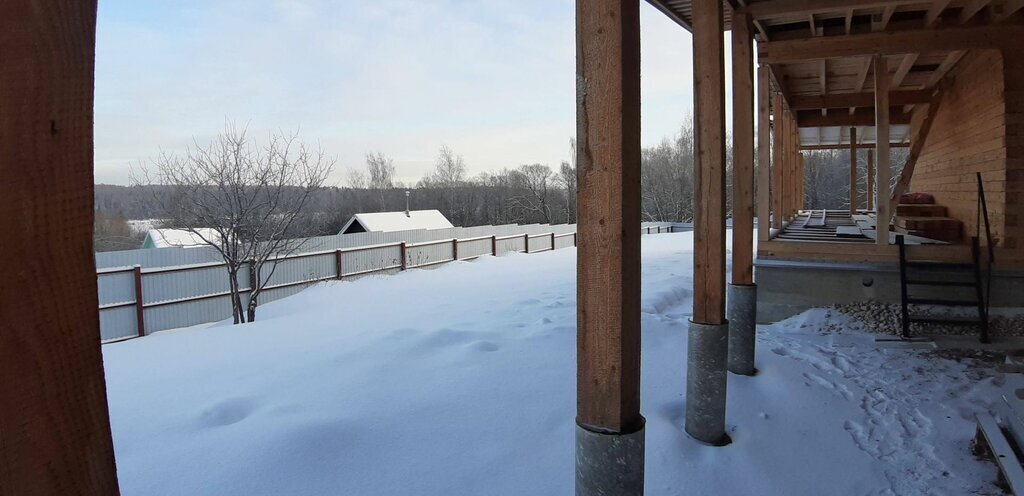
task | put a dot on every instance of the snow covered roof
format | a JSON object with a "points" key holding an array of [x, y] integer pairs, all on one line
{"points": [[180, 238], [396, 221]]}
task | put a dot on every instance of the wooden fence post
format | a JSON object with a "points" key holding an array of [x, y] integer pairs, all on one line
{"points": [[526, 242], [455, 249], [494, 245], [574, 238], [552, 241], [337, 262], [140, 310], [403, 248]]}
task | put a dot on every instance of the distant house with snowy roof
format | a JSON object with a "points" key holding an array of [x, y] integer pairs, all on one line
{"points": [[178, 238], [396, 221]]}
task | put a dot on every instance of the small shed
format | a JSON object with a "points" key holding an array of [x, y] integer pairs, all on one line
{"points": [[396, 221], [178, 238]]}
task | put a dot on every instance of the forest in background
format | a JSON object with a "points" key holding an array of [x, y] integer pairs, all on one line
{"points": [[529, 193]]}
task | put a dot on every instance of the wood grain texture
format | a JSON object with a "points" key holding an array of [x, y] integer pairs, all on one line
{"points": [[881, 73], [764, 147], [853, 170], [871, 180], [743, 151], [54, 426], [778, 158], [608, 263], [709, 194]]}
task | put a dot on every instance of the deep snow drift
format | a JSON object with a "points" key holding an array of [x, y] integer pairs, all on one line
{"points": [[460, 381]]}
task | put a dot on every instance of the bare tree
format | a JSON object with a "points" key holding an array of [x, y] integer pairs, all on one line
{"points": [[382, 176], [450, 175], [534, 180], [241, 198]]}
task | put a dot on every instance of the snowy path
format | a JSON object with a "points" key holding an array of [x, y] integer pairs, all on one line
{"points": [[460, 381]]}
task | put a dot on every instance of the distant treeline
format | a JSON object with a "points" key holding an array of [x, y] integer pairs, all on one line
{"points": [[533, 193]]}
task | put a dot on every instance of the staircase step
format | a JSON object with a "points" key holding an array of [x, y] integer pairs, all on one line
{"points": [[948, 303], [911, 210], [920, 264], [919, 282], [924, 223], [945, 319]]}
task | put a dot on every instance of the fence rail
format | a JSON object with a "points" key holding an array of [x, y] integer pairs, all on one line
{"points": [[159, 292]]}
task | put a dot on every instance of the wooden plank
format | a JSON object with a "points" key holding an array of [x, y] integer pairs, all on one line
{"points": [[848, 232], [763, 153], [743, 150], [859, 99], [802, 8], [709, 194], [891, 43], [778, 159], [871, 180], [853, 170], [882, 129], [54, 425], [935, 11], [1007, 460], [863, 146], [860, 118], [608, 265]]}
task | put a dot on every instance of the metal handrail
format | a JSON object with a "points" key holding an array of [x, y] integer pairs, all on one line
{"points": [[983, 214]]}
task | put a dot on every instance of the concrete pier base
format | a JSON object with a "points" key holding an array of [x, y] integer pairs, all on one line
{"points": [[609, 464], [741, 307], [706, 378]]}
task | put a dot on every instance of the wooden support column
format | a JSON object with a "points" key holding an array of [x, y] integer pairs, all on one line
{"points": [[853, 170], [882, 146], [743, 151], [800, 181], [871, 180], [54, 426], [609, 435], [764, 146], [794, 175], [778, 159], [707, 352]]}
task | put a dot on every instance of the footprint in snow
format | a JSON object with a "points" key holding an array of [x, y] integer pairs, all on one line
{"points": [[227, 412], [485, 346]]}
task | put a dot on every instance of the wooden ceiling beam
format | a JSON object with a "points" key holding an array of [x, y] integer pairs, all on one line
{"points": [[665, 9], [846, 146], [901, 72], [800, 8], [863, 117], [971, 8], [857, 100], [1010, 7], [935, 12], [890, 43]]}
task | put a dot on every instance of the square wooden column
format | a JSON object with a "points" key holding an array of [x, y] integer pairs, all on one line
{"points": [[778, 160], [54, 425], [608, 267], [764, 146], [853, 170], [882, 145], [871, 180], [743, 151]]}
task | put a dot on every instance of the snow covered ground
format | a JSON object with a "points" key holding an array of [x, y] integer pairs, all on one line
{"points": [[460, 381]]}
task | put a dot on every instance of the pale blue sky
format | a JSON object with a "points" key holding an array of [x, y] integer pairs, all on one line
{"points": [[492, 79]]}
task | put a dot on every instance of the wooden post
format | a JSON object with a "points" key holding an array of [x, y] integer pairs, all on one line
{"points": [[455, 249], [871, 180], [709, 332], [402, 251], [763, 153], [609, 434], [552, 241], [853, 170], [743, 151], [140, 302], [778, 160], [494, 245], [882, 146], [54, 424], [337, 263], [526, 242]]}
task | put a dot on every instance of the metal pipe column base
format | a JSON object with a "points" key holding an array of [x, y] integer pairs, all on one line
{"points": [[742, 312], [706, 378], [609, 464]]}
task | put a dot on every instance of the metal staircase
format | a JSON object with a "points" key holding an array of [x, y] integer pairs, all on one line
{"points": [[961, 285]]}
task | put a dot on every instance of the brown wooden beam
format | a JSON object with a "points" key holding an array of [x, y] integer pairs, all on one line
{"points": [[861, 100], [671, 13], [709, 194], [54, 425], [862, 117], [763, 153], [891, 42], [608, 264], [743, 151], [853, 170], [778, 158], [870, 193], [866, 146], [882, 146], [802, 8], [916, 147], [1010, 7]]}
